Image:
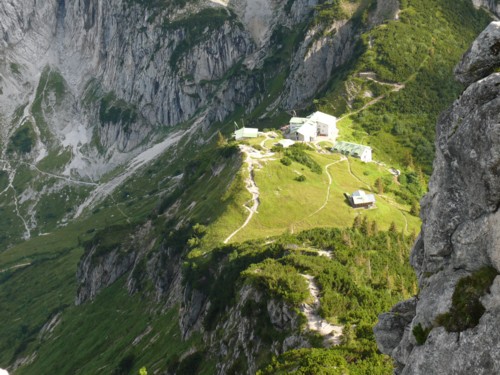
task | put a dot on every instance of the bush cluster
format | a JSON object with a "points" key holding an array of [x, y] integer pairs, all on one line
{"points": [[466, 307]]}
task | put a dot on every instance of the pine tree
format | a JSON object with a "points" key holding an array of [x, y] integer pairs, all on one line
{"points": [[221, 140], [357, 222], [346, 239], [348, 334], [414, 210], [393, 228], [379, 186], [365, 228]]}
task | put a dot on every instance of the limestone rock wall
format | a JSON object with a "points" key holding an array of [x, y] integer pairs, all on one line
{"points": [[460, 230], [151, 61]]}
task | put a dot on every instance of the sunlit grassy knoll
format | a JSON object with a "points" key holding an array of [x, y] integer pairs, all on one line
{"points": [[269, 143], [326, 144], [283, 200], [289, 205], [254, 141]]}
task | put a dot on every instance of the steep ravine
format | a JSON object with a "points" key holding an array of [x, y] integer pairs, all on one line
{"points": [[459, 245]]}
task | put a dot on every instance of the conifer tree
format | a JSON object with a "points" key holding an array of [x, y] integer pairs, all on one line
{"points": [[357, 222], [379, 186]]}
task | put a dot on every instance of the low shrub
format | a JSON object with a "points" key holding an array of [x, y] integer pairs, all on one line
{"points": [[420, 333], [286, 161], [466, 307]]}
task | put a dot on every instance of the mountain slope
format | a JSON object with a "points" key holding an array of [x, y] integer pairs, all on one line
{"points": [[114, 171]]}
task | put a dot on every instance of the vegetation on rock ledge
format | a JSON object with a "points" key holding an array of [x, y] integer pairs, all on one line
{"points": [[466, 307]]}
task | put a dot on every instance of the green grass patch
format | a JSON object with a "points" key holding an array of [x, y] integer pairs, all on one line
{"points": [[420, 333], [4, 180], [278, 280], [420, 49], [56, 160], [23, 140]]}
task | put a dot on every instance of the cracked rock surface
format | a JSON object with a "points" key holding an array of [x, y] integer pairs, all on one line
{"points": [[460, 230]]}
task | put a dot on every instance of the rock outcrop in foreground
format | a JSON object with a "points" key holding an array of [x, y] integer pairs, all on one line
{"points": [[460, 239]]}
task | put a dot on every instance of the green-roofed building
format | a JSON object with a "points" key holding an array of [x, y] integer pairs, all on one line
{"points": [[244, 133], [353, 149]]}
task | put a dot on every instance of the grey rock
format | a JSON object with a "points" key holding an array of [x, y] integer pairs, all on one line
{"points": [[391, 326], [237, 334], [482, 57], [96, 272], [280, 314], [100, 267], [490, 5], [460, 229]]}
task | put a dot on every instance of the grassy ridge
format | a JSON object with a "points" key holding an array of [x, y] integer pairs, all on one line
{"points": [[287, 205]]}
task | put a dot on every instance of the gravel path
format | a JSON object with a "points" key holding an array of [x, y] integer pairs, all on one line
{"points": [[252, 159], [332, 334]]}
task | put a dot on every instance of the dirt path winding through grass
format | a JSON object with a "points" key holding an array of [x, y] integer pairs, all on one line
{"points": [[330, 181], [252, 159], [327, 198], [395, 88], [332, 334], [349, 169], [253, 190], [14, 267]]}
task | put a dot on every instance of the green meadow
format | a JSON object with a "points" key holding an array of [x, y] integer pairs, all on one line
{"points": [[289, 205]]}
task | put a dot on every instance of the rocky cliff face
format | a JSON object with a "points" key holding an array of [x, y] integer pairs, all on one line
{"points": [[326, 47], [491, 5], [460, 236], [133, 68], [129, 68], [87, 86], [253, 325]]}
